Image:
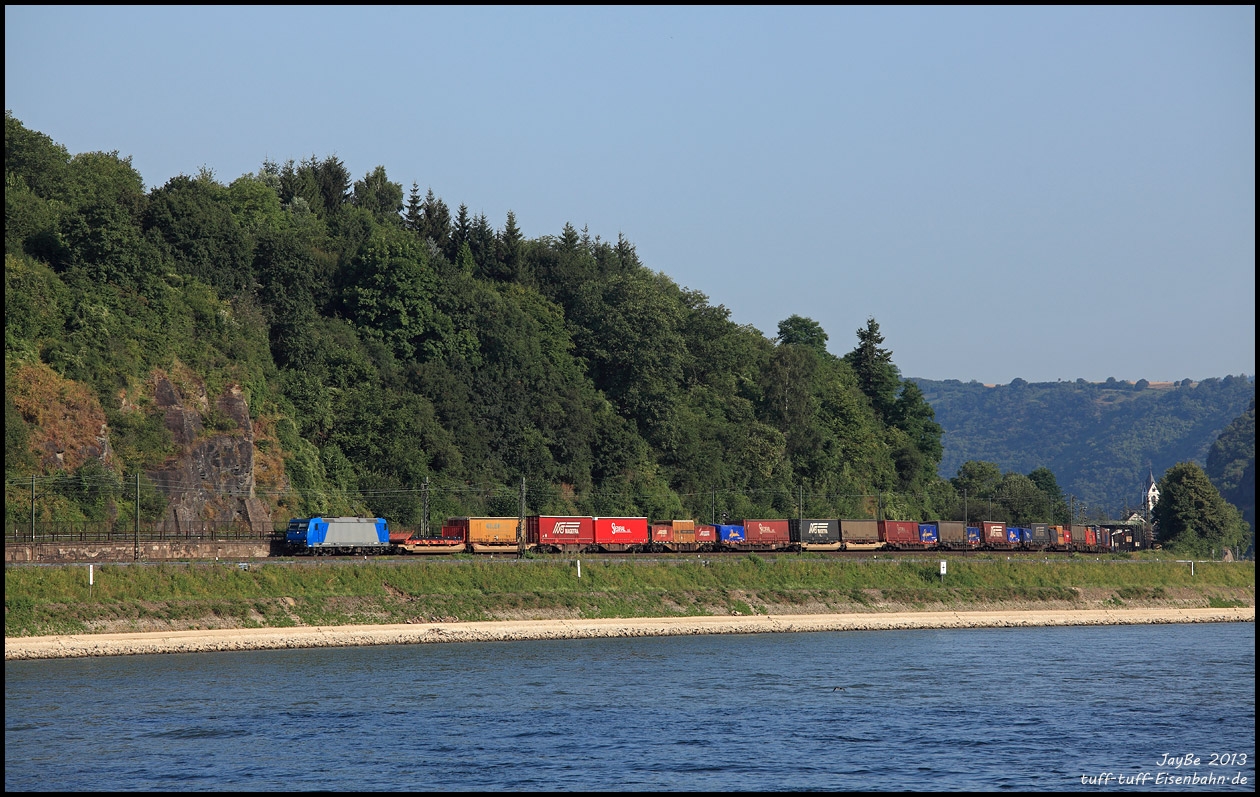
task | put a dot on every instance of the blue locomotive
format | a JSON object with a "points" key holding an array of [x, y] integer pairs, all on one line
{"points": [[338, 535]]}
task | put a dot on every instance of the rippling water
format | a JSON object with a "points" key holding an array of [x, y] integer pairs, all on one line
{"points": [[951, 710]]}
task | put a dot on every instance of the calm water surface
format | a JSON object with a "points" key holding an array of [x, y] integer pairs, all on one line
{"points": [[1037, 709]]}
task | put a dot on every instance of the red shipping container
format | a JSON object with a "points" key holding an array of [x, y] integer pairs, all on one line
{"points": [[567, 533], [900, 533], [706, 534], [455, 533], [766, 532], [1083, 537], [621, 533], [993, 533], [662, 532]]}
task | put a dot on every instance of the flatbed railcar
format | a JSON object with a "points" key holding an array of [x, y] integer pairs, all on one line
{"points": [[681, 536], [760, 535], [815, 534]]}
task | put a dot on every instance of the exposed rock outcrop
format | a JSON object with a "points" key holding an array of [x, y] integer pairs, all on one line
{"points": [[211, 478]]}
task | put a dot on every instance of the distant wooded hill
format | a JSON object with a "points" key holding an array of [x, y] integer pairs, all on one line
{"points": [[1101, 440]]}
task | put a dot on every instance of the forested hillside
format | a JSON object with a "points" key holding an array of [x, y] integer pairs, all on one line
{"points": [[297, 342], [1231, 465], [352, 350], [1102, 440]]}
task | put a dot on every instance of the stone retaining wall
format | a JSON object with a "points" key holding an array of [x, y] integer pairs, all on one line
{"points": [[68, 553]]}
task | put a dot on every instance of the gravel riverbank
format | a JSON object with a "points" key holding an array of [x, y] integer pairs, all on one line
{"points": [[82, 645]]}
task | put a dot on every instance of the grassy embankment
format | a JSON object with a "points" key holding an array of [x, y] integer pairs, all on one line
{"points": [[58, 600]]}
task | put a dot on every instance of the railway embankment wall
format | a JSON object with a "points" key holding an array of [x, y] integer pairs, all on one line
{"points": [[60, 553]]}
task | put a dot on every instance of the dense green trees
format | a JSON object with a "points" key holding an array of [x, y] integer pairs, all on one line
{"points": [[1192, 518], [1231, 464], [193, 220], [378, 196], [382, 342], [983, 491], [799, 331]]}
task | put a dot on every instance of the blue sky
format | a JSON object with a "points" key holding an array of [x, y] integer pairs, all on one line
{"points": [[1043, 193]]}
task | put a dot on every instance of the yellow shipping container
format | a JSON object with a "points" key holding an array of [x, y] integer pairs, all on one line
{"points": [[492, 530]]}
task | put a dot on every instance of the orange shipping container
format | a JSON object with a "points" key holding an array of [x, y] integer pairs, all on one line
{"points": [[492, 530]]}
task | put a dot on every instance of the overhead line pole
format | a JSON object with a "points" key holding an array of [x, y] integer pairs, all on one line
{"points": [[424, 518], [137, 524], [520, 524]]}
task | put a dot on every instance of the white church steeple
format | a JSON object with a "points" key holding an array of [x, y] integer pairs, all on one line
{"points": [[1151, 498]]}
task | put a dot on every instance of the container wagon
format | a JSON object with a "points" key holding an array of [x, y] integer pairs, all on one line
{"points": [[1060, 538], [815, 535], [681, 536], [993, 535], [621, 534], [450, 540], [860, 535], [338, 535], [559, 534], [730, 536], [929, 535], [1105, 542], [1085, 538], [488, 534], [1040, 538], [902, 535], [765, 535], [952, 535]]}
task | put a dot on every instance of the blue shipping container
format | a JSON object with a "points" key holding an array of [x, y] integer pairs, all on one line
{"points": [[927, 533], [731, 533]]}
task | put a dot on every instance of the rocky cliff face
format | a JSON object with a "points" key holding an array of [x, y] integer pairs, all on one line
{"points": [[66, 420], [211, 477]]}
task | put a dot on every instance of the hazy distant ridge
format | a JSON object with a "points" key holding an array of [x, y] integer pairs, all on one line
{"points": [[1101, 439]]}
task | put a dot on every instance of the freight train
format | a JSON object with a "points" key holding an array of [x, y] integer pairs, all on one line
{"points": [[581, 534]]}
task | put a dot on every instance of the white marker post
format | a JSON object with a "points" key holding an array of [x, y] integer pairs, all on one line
{"points": [[579, 568], [91, 580], [942, 572]]}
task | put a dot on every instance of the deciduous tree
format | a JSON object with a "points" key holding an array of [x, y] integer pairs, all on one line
{"points": [[1192, 518]]}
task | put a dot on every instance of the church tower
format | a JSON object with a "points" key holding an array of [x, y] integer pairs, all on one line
{"points": [[1151, 498]]}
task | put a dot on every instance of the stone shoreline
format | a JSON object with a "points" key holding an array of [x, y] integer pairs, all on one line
{"points": [[84, 645]]}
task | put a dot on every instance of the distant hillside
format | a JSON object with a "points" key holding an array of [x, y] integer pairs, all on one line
{"points": [[1101, 440], [1231, 464]]}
